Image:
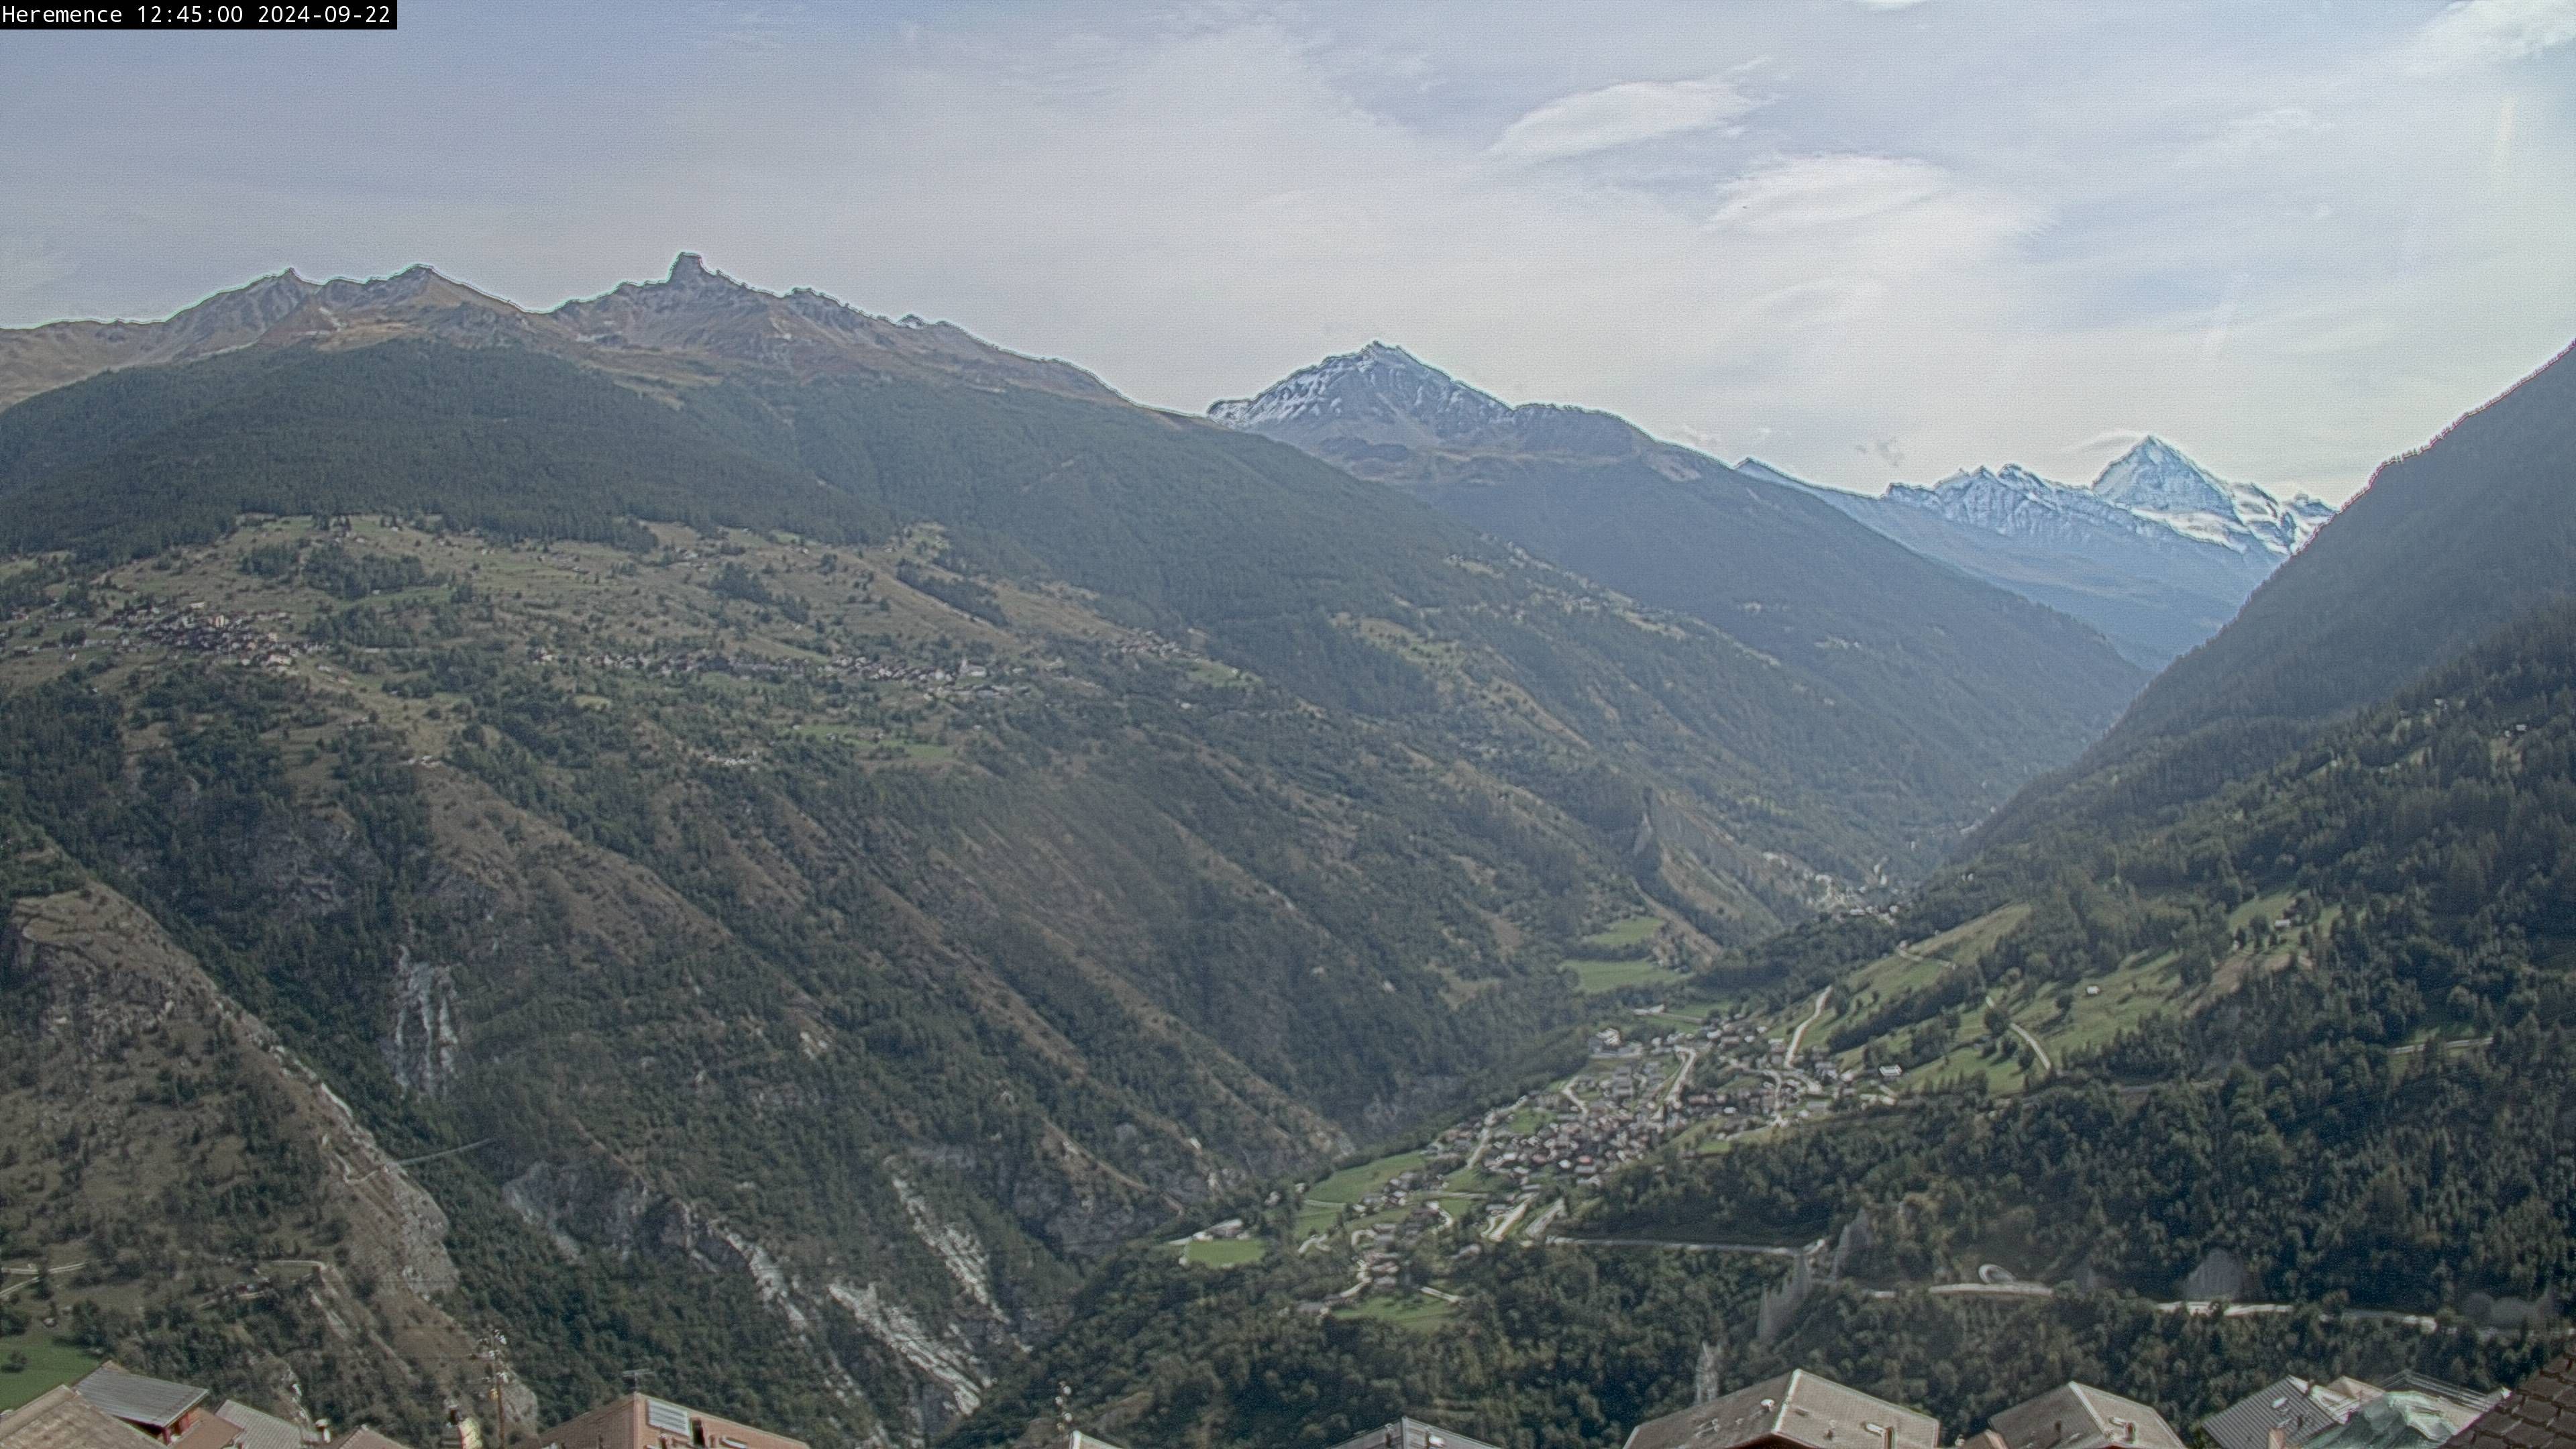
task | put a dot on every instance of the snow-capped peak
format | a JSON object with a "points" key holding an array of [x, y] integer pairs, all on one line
{"points": [[1380, 389], [2154, 480], [2151, 491]]}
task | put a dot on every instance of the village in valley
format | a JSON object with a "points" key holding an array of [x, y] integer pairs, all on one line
{"points": [[1657, 1076]]}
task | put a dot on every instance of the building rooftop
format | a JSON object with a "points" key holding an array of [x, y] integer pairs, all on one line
{"points": [[1411, 1433], [1798, 1407], [155, 1404], [640, 1421], [2398, 1419], [261, 1430], [2293, 1405], [2539, 1415], [59, 1418], [2080, 1416], [367, 1438], [211, 1431]]}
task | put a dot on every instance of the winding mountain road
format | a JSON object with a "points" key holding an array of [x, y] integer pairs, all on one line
{"points": [[1789, 1058]]}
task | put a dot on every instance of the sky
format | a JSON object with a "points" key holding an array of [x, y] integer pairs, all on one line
{"points": [[1863, 240]]}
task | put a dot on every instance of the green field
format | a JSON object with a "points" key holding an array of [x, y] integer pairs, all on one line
{"points": [[1411, 1310], [1595, 977], [1223, 1252], [50, 1361], [1326, 1199], [1314, 1217], [1353, 1183], [1629, 932]]}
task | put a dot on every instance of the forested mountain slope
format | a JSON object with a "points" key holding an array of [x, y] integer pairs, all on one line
{"points": [[2353, 1102], [813, 844], [2446, 544], [1998, 685]]}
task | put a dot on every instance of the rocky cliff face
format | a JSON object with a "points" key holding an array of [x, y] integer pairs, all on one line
{"points": [[175, 1100]]}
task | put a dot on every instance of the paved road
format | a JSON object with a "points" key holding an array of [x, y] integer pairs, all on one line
{"points": [[1789, 1058], [1538, 1225], [1559, 1240], [2045, 1065], [2463, 1044], [1681, 1079]]}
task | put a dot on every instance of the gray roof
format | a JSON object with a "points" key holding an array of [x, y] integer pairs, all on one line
{"points": [[1797, 1406], [2445, 1389], [59, 1418], [155, 1403], [2080, 1416], [260, 1430], [1410, 1433], [2289, 1405]]}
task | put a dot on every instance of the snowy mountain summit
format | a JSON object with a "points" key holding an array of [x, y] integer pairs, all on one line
{"points": [[2156, 553], [2152, 490], [2154, 480], [1381, 392], [1381, 402]]}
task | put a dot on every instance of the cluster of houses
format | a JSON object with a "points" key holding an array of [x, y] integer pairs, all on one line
{"points": [[1643, 1093], [1801, 1410], [189, 628], [114, 1409], [1638, 1094]]}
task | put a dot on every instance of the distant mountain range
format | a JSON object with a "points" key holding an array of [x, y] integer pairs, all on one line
{"points": [[2278, 987], [1980, 679], [2157, 553], [2448, 544], [693, 321], [813, 828]]}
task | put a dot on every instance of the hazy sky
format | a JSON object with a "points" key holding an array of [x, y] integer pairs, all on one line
{"points": [[1863, 239]]}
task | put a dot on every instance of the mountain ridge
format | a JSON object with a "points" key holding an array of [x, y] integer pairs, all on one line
{"points": [[635, 327], [1981, 676], [2156, 552]]}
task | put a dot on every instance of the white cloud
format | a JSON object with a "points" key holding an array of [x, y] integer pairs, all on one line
{"points": [[2260, 135], [1967, 242], [2473, 32], [1620, 115], [1808, 192], [2109, 440], [1891, 4]]}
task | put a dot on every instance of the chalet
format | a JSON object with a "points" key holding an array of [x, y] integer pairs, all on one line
{"points": [[61, 1418], [259, 1430], [157, 1407], [1409, 1433], [1797, 1410], [2413, 1411], [2541, 1414], [2079, 1416], [640, 1421]]}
